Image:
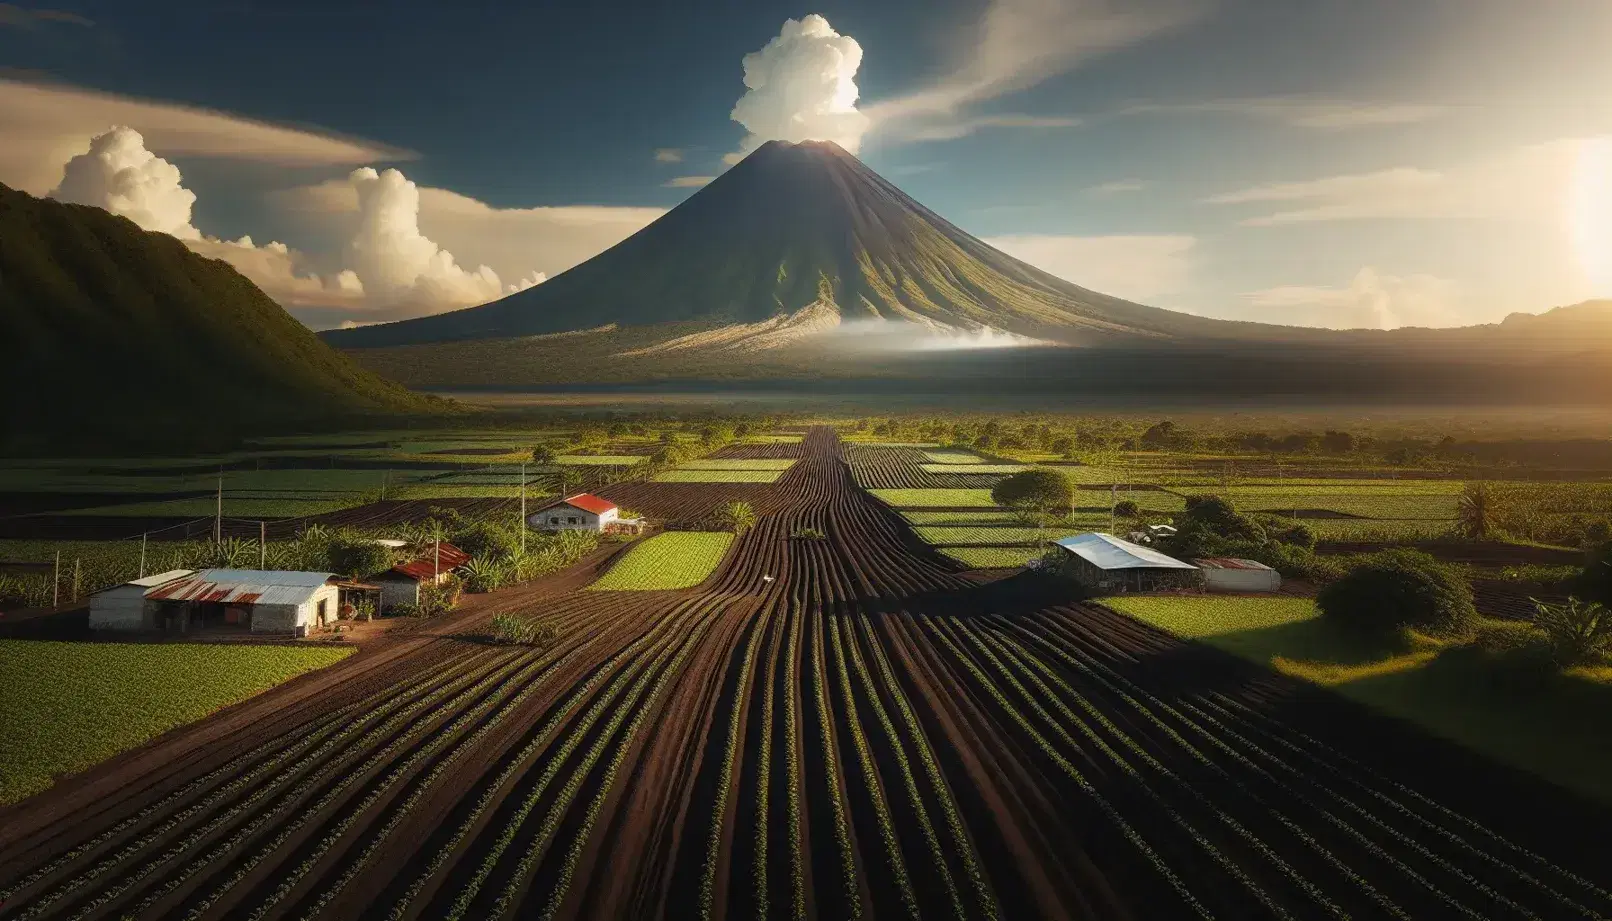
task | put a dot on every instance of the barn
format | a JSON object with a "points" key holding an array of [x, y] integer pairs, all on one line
{"points": [[582, 512], [401, 584], [1106, 563], [254, 600], [123, 607], [1223, 574]]}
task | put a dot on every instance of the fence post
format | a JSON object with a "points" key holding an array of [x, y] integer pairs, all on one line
{"points": [[76, 561], [143, 555], [56, 582]]}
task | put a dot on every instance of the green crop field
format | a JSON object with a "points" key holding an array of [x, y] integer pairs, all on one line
{"points": [[934, 498], [969, 516], [599, 460], [675, 559], [979, 468], [233, 508], [727, 463], [992, 557], [1372, 529], [1403, 506], [941, 534], [718, 476], [771, 439], [953, 457], [67, 706]]}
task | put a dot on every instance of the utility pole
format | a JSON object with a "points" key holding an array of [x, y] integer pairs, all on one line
{"points": [[262, 545], [523, 510], [436, 559], [56, 582], [1113, 500], [218, 517], [143, 555], [75, 577]]}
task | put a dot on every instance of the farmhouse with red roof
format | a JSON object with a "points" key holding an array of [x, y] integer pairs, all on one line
{"points": [[582, 512]]}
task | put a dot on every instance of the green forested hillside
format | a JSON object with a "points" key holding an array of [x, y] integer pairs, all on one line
{"points": [[105, 324]]}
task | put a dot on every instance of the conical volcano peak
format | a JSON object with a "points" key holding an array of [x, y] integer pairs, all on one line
{"points": [[797, 225]]}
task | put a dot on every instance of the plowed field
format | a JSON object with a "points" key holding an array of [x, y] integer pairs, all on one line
{"points": [[824, 729]]}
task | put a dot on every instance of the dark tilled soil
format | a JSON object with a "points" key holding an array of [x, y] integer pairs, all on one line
{"points": [[833, 728]]}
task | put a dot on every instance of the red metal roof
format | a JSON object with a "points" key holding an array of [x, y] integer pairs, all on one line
{"points": [[588, 502], [428, 562]]}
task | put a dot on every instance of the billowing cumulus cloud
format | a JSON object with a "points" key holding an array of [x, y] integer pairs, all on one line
{"points": [[1373, 300], [118, 173], [42, 125], [802, 87]]}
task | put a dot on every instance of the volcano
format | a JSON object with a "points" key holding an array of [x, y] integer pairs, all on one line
{"points": [[752, 276], [797, 237]]}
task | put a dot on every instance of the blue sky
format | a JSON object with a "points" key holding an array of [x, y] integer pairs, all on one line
{"points": [[1337, 162]]}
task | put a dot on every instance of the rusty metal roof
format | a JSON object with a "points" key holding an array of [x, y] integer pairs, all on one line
{"points": [[1226, 562], [243, 586], [588, 502], [422, 566]]}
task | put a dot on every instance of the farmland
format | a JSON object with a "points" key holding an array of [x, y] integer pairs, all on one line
{"points": [[676, 559], [827, 728], [66, 706]]}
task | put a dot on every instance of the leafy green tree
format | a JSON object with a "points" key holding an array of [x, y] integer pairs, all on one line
{"points": [[1040, 492], [543, 455], [1338, 443], [358, 558], [1127, 508], [1579, 632]]}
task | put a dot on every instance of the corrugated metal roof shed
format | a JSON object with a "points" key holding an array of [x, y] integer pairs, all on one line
{"points": [[243, 586], [1105, 551], [428, 562], [152, 581]]}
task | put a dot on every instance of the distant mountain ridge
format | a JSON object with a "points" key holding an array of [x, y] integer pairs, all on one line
{"points": [[107, 325]]}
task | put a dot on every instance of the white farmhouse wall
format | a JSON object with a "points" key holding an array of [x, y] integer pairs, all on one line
{"points": [[566, 518], [1241, 580], [120, 608], [286, 618]]}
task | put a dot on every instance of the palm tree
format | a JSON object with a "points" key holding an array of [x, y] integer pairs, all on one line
{"points": [[1478, 512], [738, 516]]}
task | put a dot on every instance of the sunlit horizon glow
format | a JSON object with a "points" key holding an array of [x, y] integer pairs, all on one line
{"points": [[1592, 214]]}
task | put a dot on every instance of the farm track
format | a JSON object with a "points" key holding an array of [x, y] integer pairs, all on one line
{"points": [[835, 728]]}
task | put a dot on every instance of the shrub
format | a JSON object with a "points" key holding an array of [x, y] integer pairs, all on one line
{"points": [[1478, 512], [440, 598], [808, 534], [484, 574], [1400, 590], [1044, 492], [1219, 516], [737, 517], [1579, 633], [524, 631], [1127, 508], [482, 538]]}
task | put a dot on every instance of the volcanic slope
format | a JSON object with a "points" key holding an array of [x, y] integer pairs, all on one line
{"points": [[791, 233], [99, 316], [842, 727]]}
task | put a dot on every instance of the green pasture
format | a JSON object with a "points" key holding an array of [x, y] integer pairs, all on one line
{"points": [[672, 560]]}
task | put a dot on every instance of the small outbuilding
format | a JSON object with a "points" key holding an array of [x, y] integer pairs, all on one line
{"points": [[401, 584], [253, 600], [1107, 563], [123, 607], [1223, 574], [582, 512]]}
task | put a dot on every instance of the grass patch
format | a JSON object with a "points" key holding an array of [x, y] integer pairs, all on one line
{"points": [[981, 516], [67, 706], [953, 457], [934, 498], [598, 460], [718, 476], [1530, 720], [992, 557], [771, 439], [976, 467], [676, 559], [989, 535], [1374, 529]]}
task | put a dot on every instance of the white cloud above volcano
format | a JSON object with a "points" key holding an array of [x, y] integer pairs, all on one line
{"points": [[801, 86]]}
